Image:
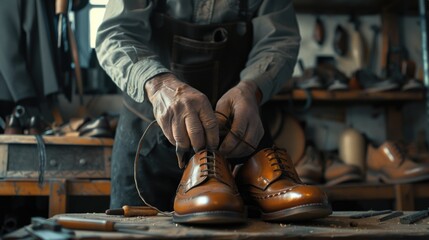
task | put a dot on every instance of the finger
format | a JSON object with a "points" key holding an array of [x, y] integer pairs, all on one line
{"points": [[255, 132], [165, 126], [234, 137], [180, 134], [222, 113], [211, 128], [195, 132], [252, 137]]}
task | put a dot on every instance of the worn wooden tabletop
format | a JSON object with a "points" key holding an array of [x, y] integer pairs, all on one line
{"points": [[339, 225]]}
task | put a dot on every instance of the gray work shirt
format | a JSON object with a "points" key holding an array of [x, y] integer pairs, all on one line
{"points": [[124, 50]]}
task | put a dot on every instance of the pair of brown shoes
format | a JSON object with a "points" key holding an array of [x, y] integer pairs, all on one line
{"points": [[329, 170], [208, 192]]}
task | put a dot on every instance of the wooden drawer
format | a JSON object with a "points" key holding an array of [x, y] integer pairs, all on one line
{"points": [[66, 157]]}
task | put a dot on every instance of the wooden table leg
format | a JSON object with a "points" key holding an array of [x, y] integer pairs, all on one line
{"points": [[404, 197], [57, 196]]}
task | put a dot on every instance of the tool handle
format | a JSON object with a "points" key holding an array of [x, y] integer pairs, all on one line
{"points": [[61, 6], [133, 211], [86, 224]]}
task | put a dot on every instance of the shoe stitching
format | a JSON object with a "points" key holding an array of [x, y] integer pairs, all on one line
{"points": [[273, 195]]}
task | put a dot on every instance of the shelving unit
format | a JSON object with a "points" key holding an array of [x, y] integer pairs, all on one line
{"points": [[57, 190], [404, 195], [354, 6]]}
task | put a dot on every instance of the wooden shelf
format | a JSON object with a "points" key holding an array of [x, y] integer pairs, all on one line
{"points": [[58, 190], [361, 7], [404, 195], [355, 95]]}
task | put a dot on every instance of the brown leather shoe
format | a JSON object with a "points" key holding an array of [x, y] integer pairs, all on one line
{"points": [[207, 193], [389, 164], [268, 182], [337, 172]]}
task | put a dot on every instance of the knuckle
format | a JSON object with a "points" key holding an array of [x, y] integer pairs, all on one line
{"points": [[211, 123]]}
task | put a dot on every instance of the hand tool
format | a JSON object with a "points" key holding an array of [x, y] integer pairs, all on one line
{"points": [[61, 10], [390, 216], [132, 211], [46, 229], [100, 225], [414, 217], [370, 214], [319, 31]]}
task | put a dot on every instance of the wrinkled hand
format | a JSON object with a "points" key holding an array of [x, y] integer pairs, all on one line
{"points": [[183, 113], [241, 105]]}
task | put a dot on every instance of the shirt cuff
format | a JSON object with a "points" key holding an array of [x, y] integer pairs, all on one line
{"points": [[267, 74], [140, 73]]}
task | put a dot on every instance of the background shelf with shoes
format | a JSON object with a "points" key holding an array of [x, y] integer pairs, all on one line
{"points": [[361, 71]]}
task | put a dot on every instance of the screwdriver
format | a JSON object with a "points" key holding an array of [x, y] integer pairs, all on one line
{"points": [[99, 225], [132, 211]]}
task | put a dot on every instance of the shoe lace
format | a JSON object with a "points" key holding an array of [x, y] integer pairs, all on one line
{"points": [[283, 164], [211, 164]]}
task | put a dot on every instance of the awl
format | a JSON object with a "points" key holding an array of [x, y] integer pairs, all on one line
{"points": [[132, 211]]}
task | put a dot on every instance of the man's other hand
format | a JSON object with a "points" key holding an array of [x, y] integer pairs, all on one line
{"points": [[240, 104]]}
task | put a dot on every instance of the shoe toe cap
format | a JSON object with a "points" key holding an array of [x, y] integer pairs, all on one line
{"points": [[210, 201], [298, 195]]}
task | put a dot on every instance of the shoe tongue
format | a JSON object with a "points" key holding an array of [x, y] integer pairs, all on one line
{"points": [[270, 170], [203, 167]]}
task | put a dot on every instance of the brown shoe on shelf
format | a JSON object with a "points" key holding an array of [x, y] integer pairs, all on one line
{"points": [[207, 193], [309, 167], [269, 184], [338, 172], [388, 163], [13, 126]]}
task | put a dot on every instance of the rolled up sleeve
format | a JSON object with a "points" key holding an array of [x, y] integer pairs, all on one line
{"points": [[122, 46], [276, 41]]}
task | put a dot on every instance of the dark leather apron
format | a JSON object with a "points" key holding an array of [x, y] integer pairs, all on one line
{"points": [[207, 57]]}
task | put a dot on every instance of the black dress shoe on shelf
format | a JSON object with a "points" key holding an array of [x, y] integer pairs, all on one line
{"points": [[37, 126], [13, 126], [2, 125], [98, 127]]}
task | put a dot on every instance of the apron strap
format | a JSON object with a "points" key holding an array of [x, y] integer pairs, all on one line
{"points": [[243, 5], [243, 8]]}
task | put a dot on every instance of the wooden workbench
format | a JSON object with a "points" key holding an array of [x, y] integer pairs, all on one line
{"points": [[339, 225]]}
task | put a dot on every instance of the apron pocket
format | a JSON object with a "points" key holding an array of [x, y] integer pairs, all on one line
{"points": [[190, 51]]}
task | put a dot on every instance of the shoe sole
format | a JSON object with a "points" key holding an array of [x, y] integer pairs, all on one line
{"points": [[298, 213], [377, 177], [218, 217]]}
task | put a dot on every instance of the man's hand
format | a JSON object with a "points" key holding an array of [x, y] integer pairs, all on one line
{"points": [[183, 113], [241, 105]]}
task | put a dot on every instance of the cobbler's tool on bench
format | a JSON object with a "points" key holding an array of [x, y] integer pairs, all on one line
{"points": [[99, 225], [132, 211], [391, 216], [42, 228], [414, 217], [370, 214]]}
